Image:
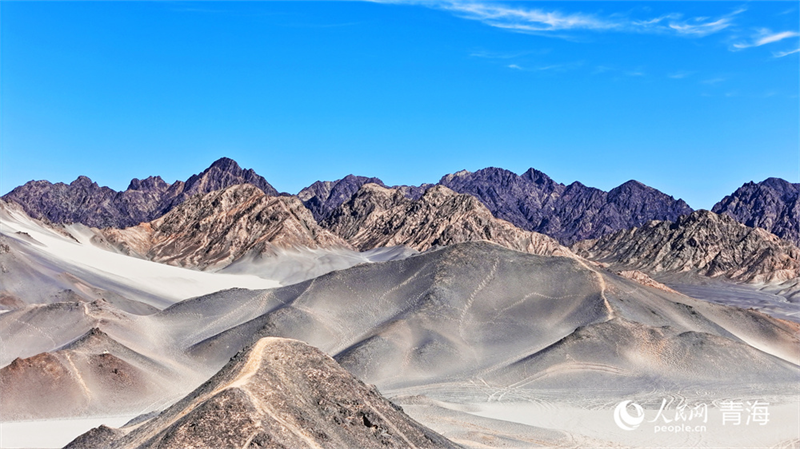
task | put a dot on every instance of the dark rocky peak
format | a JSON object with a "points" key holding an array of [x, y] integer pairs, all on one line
{"points": [[785, 188], [322, 197], [149, 184], [83, 181], [489, 175], [541, 179], [83, 201], [224, 173], [642, 198], [773, 204]]}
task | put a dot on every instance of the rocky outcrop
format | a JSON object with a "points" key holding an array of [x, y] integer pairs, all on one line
{"points": [[702, 242], [322, 197], [376, 216], [531, 201], [278, 393], [771, 204], [534, 202], [215, 229], [83, 201]]}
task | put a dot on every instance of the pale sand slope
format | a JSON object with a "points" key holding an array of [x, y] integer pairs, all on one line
{"points": [[42, 251], [46, 264], [466, 324]]}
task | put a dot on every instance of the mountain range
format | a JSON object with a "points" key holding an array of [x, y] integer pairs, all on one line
{"points": [[531, 201], [83, 201], [235, 315]]}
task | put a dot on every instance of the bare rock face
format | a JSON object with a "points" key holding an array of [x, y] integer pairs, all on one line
{"points": [[531, 201], [218, 228], [702, 242], [83, 201], [534, 202], [322, 197], [772, 204], [377, 216], [278, 393]]}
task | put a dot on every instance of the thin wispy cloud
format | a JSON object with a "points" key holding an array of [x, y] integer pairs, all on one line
{"points": [[713, 81], [545, 68], [503, 55], [780, 54], [680, 75], [764, 37], [555, 23]]}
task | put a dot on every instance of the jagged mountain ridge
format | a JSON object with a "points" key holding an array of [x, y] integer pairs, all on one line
{"points": [[377, 216], [220, 227], [277, 393], [568, 213], [702, 242], [83, 201], [323, 197], [531, 201], [772, 204]]}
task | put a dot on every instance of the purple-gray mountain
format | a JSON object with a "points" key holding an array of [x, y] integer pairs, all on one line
{"points": [[531, 201], [771, 204], [83, 201], [323, 197]]}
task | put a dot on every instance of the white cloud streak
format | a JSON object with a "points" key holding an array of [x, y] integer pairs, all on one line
{"points": [[556, 23], [780, 54], [765, 36]]}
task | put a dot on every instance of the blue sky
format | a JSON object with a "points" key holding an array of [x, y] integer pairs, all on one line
{"points": [[691, 98]]}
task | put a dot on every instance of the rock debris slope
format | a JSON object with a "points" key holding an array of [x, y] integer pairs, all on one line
{"points": [[83, 201], [773, 204], [704, 243], [278, 393], [218, 228], [376, 216]]}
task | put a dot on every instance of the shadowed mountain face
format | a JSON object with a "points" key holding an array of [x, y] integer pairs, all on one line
{"points": [[83, 201], [570, 213], [532, 201], [220, 227], [323, 197], [278, 393], [772, 204], [702, 242], [376, 216]]}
